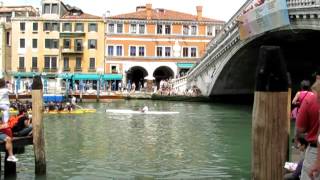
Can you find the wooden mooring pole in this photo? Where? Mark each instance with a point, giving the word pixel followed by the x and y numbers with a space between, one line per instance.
pixel 270 123
pixel 38 130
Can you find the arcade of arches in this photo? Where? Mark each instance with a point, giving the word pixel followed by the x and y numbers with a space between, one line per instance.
pixel 138 74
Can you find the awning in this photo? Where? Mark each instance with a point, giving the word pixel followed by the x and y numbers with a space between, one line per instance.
pixel 65 76
pixel 185 65
pixel 86 77
pixel 25 74
pixel 112 77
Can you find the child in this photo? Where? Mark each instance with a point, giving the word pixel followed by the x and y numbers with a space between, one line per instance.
pixel 4 101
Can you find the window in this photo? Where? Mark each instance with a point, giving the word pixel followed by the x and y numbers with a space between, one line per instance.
pixel 34 62
pixel 133 28
pixel 185 30
pixel 51 43
pixel 47 62
pixel 119 50
pixel 66 44
pixel 78 44
pixel 92 44
pixel 185 52
pixel 46 9
pixel 50 62
pixel 167 29
pixel 34 43
pixel 79 27
pixel 22 43
pixel 93 27
pixel 8 39
pixel 21 63
pixel 210 30
pixel 193 52
pixel 193 30
pixel 55 27
pixel 159 28
pixel 119 28
pixel 35 26
pixel 111 28
pixel 66 63
pixel 142 28
pixel 47 26
pixel 78 63
pixel 114 69
pixel 159 51
pixel 53 62
pixel 66 27
pixel 167 51
pixel 92 64
pixel 189 52
pixel 22 26
pixel 110 50
pixel 54 9
pixel 141 51
pixel 133 51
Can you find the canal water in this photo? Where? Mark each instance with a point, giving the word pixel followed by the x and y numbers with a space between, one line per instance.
pixel 203 141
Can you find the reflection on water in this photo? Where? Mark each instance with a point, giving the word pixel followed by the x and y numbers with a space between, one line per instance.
pixel 203 141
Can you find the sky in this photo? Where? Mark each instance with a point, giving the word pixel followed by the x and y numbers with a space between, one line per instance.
pixel 215 9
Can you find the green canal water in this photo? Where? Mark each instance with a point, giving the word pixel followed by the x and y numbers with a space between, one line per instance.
pixel 203 141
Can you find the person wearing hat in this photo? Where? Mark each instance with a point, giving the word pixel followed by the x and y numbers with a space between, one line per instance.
pixel 308 123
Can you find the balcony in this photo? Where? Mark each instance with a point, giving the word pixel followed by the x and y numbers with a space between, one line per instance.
pixel 21 69
pixel 92 70
pixel 50 70
pixel 34 69
pixel 66 69
pixel 78 69
pixel 72 34
pixel 76 50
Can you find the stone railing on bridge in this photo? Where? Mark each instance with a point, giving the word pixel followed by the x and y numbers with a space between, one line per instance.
pixel 179 84
pixel 229 37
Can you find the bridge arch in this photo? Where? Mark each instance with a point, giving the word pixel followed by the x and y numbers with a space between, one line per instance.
pixel 236 73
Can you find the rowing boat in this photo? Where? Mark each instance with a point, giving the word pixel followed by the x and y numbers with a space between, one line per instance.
pixel 128 111
pixel 77 111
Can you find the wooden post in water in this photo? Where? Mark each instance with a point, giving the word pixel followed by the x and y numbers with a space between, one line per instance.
pixel 38 130
pixel 270 124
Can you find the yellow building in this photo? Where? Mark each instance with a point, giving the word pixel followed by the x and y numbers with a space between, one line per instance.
pixel 6 13
pixel 156 44
pixel 63 39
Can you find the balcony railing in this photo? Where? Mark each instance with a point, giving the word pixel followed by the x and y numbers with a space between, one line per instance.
pixel 92 70
pixel 66 69
pixel 72 34
pixel 21 69
pixel 50 69
pixel 78 69
pixel 76 50
pixel 34 69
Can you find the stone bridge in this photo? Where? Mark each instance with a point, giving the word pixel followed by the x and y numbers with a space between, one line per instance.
pixel 229 64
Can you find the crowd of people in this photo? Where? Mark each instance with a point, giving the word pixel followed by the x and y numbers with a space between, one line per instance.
pixel 17 125
pixel 306 106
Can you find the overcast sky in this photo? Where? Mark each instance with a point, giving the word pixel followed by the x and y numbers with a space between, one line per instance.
pixel 216 9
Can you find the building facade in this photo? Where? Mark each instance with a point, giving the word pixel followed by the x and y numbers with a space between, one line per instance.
pixel 62 40
pixel 6 14
pixel 156 44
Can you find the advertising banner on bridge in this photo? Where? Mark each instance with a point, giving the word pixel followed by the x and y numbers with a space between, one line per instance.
pixel 262 16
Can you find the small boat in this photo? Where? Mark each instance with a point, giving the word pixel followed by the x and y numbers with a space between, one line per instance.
pixel 128 111
pixel 77 111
